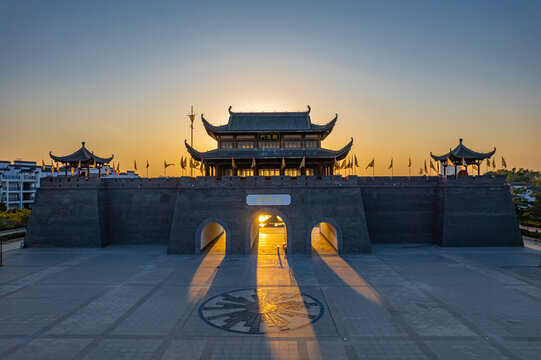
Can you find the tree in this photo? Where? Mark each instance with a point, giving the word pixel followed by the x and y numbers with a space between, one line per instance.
pixel 3 206
pixel 524 176
pixel 535 209
pixel 520 200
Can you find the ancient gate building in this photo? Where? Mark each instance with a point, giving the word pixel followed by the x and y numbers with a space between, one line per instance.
pixel 273 164
pixel 269 144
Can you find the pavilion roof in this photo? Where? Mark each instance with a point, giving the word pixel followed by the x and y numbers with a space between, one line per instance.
pixel 257 122
pixel 279 153
pixel 463 152
pixel 82 155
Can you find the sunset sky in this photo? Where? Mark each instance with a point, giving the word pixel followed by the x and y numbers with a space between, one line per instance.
pixel 405 77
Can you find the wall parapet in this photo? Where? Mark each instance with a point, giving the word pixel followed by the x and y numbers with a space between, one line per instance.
pixel 236 182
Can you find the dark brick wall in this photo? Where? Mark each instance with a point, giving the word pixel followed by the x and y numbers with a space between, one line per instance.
pixel 65 214
pixel 467 211
pixel 139 211
pixel 479 216
pixel 400 210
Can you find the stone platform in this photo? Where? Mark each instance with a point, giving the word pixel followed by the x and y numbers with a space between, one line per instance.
pixel 79 212
pixel 399 302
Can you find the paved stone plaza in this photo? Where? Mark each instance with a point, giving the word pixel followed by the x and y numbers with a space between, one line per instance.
pixel 399 302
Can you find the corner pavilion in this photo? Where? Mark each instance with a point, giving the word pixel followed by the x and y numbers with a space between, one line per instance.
pixel 462 154
pixel 81 159
pixel 269 144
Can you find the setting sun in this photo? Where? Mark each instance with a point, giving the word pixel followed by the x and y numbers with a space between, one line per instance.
pixel 263 218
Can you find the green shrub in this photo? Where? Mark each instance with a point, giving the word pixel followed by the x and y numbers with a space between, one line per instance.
pixel 531 223
pixel 13 219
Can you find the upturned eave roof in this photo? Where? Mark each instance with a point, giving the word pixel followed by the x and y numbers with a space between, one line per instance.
pixel 82 155
pixel 271 154
pixel 463 152
pixel 257 122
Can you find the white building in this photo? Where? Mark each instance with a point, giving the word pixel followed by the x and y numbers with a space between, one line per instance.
pixel 20 180
pixel 18 183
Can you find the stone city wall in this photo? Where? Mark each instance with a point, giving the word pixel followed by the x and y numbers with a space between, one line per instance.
pixel 74 212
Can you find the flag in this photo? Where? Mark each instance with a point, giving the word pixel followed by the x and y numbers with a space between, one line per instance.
pixel 42 165
pixel 182 166
pixel 493 163
pixel 283 164
pixel 79 165
pixel 118 168
pixel 391 164
pixel 52 167
pixel 57 168
pixel 253 163
pixel 107 171
pixel 449 163
pixel 134 165
pixel 370 164
pixel 475 167
pixel 336 164
pixel 432 166
pixel 409 163
pixel 464 162
pixel 303 163
pixel 186 162
pixel 233 165
pixel 504 164
pixel 426 169
pixel 356 163
pixel 148 164
pixel 166 165
pixel 72 171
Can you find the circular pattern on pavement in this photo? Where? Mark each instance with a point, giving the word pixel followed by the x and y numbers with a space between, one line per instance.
pixel 261 311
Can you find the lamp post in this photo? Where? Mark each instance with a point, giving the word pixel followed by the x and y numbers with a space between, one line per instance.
pixel 191 115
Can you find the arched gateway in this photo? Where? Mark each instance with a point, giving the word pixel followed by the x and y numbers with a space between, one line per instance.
pixel 238 203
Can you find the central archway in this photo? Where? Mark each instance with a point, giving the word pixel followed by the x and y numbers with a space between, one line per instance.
pixel 274 225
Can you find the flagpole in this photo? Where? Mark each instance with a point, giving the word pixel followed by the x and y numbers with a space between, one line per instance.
pixel 191 115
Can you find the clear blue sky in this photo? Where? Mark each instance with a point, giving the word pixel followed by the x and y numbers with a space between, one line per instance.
pixel 405 77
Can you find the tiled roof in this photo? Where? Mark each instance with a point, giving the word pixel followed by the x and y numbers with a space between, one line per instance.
pixel 258 153
pixel 462 152
pixel 82 155
pixel 257 122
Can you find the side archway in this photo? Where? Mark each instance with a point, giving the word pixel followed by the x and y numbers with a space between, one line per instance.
pixel 208 230
pixel 252 231
pixel 330 232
